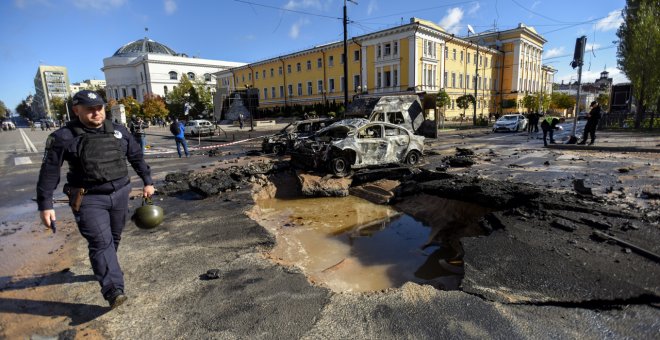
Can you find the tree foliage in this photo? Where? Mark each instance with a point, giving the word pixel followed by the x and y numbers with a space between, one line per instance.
pixel 530 102
pixel 604 101
pixel 23 109
pixel 638 51
pixel 442 100
pixel 561 101
pixel 463 102
pixel 131 107
pixel 58 106
pixel 154 107
pixel 198 97
pixel 4 112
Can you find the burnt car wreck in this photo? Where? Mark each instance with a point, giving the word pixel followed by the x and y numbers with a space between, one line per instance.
pixel 357 143
pixel 284 140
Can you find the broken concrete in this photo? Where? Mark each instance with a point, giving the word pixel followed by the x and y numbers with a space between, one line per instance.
pixel 325 186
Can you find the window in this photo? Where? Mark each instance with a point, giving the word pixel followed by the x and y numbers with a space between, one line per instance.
pixel 388 49
pixel 356 81
pixel 468 57
pixel 453 52
pixel 356 55
pixel 141 77
pixel 191 76
pixel 481 60
pixel 331 61
pixel 281 91
pixel 378 79
pixel 250 76
pixel 486 62
pixel 461 56
pixel 272 91
pixel 395 77
pixel 378 51
pixel 290 90
pixel 319 63
pixel 309 88
pixel 265 93
pixel 388 78
pixel 279 70
pixel 309 64
pixel 341 84
pixel 453 79
pixel 288 68
pixel 446 52
pixel 474 81
pixel 331 85
pixel 460 80
pixel 298 68
pixel 475 58
pixel 467 80
pixel 445 79
pixel 272 74
pixel 173 75
pixel 256 75
pixel 300 89
pixel 117 94
pixel 479 83
pixel 263 73
pixel 319 86
pixel 342 58
pixel 164 90
pixel 134 92
pixel 396 48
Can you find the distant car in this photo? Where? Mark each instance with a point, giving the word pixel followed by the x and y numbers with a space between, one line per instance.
pixel 582 116
pixel 8 125
pixel 199 127
pixel 513 122
pixel 37 124
pixel 358 143
pixel 284 140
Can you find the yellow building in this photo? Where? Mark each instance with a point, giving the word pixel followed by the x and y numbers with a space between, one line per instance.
pixel 419 56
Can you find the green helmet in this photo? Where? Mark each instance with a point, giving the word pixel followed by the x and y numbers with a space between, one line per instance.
pixel 148 215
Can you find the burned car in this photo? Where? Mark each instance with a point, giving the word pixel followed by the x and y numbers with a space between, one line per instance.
pixel 284 140
pixel 358 143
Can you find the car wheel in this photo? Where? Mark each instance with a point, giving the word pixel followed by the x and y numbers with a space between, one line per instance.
pixel 517 127
pixel 278 149
pixel 339 166
pixel 413 157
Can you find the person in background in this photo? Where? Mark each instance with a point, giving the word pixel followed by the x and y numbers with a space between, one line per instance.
pixel 549 125
pixel 177 129
pixel 97 183
pixel 137 129
pixel 592 123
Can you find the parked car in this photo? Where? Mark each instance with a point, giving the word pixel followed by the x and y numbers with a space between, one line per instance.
pixel 8 125
pixel 358 143
pixel 199 127
pixel 37 124
pixel 513 122
pixel 284 140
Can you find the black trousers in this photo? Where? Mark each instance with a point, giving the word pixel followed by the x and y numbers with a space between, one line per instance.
pixel 590 129
pixel 101 220
pixel 547 130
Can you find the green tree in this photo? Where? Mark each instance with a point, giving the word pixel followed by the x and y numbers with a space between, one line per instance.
pixel 638 52
pixel 561 101
pixel 23 109
pixel 604 101
pixel 154 107
pixel 131 106
pixel 58 106
pixel 463 102
pixel 4 112
pixel 442 100
pixel 195 94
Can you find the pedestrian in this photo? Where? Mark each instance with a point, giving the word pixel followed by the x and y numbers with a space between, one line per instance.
pixel 548 125
pixel 137 127
pixel 97 183
pixel 535 121
pixel 240 120
pixel 530 119
pixel 592 123
pixel 47 125
pixel 177 129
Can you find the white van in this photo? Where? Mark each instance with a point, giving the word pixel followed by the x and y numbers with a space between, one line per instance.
pixel 198 127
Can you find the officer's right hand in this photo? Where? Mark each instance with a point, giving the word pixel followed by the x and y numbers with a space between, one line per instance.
pixel 46 217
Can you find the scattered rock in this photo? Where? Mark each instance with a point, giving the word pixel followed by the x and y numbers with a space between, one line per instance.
pixel 563 224
pixel 210 274
pixel 327 186
pixel 578 185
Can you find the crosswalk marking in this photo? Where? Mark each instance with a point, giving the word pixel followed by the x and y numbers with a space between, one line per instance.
pixel 22 160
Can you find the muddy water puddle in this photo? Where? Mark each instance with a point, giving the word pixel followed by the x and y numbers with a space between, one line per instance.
pixel 350 244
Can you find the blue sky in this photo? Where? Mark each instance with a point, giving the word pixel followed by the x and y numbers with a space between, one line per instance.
pixel 78 34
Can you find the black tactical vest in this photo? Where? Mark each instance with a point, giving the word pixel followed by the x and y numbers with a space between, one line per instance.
pixel 100 155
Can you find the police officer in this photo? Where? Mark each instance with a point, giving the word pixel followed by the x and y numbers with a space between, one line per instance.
pixel 98 184
pixel 549 125
pixel 592 123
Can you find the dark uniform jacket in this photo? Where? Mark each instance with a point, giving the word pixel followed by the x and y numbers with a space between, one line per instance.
pixel 62 145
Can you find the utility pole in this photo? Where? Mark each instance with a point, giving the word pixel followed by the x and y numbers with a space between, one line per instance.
pixel 476 77
pixel 345 82
pixel 578 61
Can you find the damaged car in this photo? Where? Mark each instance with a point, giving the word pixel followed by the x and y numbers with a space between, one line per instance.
pixel 358 143
pixel 284 140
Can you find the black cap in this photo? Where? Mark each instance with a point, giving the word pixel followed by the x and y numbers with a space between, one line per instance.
pixel 593 103
pixel 87 98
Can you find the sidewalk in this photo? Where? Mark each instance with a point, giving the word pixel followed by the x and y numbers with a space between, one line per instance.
pixel 618 141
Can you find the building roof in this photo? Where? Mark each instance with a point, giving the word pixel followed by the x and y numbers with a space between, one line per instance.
pixel 143 46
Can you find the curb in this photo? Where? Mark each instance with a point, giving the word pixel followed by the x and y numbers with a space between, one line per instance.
pixel 603 148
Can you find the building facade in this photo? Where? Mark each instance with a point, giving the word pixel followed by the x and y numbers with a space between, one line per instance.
pixel 146 67
pixel 419 56
pixel 89 84
pixel 49 82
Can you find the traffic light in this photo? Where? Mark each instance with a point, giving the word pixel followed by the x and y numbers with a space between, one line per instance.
pixel 578 55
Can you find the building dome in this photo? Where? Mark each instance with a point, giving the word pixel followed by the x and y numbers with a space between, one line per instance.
pixel 143 46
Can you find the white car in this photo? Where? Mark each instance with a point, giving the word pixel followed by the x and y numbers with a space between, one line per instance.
pixel 199 127
pixel 513 122
pixel 8 125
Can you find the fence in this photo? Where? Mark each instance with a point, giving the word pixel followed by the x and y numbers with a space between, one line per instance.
pixel 626 120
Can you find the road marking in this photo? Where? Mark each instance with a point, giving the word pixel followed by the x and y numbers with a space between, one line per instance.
pixel 28 143
pixel 22 160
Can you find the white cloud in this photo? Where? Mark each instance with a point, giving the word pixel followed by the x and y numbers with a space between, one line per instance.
pixel 536 3
pixel 591 76
pixel 98 4
pixel 373 6
pixel 611 22
pixel 450 21
pixel 297 4
pixel 170 6
pixel 294 32
pixel 588 47
pixel 553 52
pixel 474 8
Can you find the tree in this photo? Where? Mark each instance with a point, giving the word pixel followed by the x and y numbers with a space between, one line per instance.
pixel 638 52
pixel 4 112
pixel 604 101
pixel 530 102
pixel 23 109
pixel 58 105
pixel 131 106
pixel 195 94
pixel 561 101
pixel 154 107
pixel 442 100
pixel 464 101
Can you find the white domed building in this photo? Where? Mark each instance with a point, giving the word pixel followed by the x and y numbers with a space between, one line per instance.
pixel 145 67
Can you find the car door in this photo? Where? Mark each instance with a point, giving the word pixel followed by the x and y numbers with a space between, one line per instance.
pixel 397 141
pixel 372 147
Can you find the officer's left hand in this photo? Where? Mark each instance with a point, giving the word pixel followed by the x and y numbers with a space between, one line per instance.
pixel 148 191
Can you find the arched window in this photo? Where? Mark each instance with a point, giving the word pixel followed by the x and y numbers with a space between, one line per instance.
pixel 165 89
pixel 173 75
pixel 207 77
pixel 191 76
